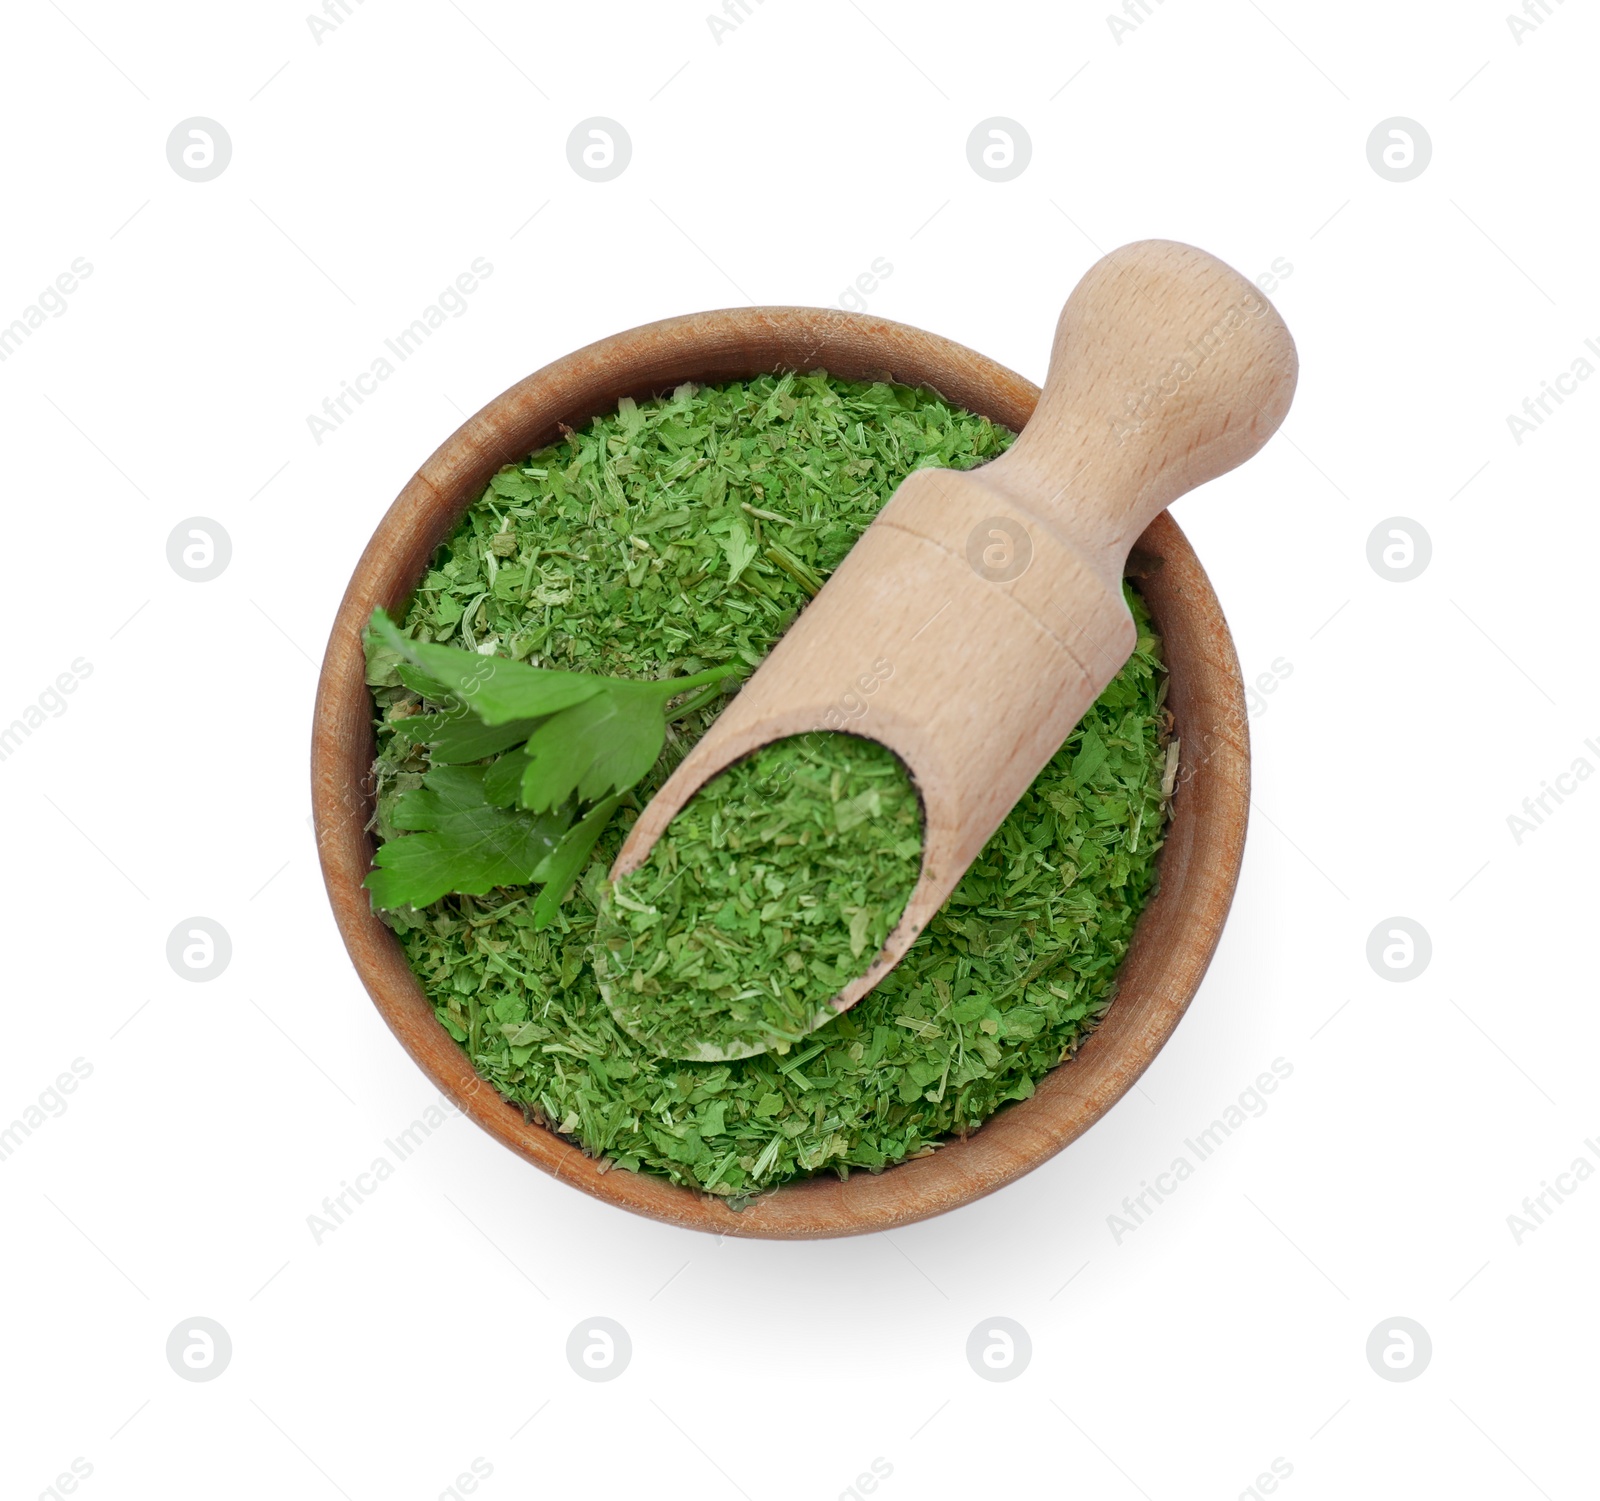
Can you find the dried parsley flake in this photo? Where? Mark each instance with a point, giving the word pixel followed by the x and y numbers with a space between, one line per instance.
pixel 774 886
pixel 679 534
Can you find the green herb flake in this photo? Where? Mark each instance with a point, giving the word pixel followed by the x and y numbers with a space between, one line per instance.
pixel 567 738
pixel 775 885
pixel 1007 980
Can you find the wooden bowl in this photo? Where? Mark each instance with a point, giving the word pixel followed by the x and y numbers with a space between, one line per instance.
pixel 1175 936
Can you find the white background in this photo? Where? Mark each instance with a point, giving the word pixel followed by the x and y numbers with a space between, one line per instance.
pixel 369 170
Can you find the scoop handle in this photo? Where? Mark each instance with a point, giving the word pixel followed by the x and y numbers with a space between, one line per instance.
pixel 982 610
pixel 1168 369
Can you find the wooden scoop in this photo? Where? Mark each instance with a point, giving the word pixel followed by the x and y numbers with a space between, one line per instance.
pixel 981 613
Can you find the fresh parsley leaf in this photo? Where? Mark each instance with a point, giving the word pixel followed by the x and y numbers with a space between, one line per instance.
pixel 461 843
pixel 459 736
pixel 418 682
pixel 496 689
pixel 560 740
pixel 502 778
pixel 568 858
pixel 602 745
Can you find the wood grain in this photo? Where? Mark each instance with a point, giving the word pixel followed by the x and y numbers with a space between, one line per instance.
pixel 1168 369
pixel 1176 935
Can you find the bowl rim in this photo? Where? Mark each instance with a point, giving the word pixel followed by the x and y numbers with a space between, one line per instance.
pixel 1175 936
